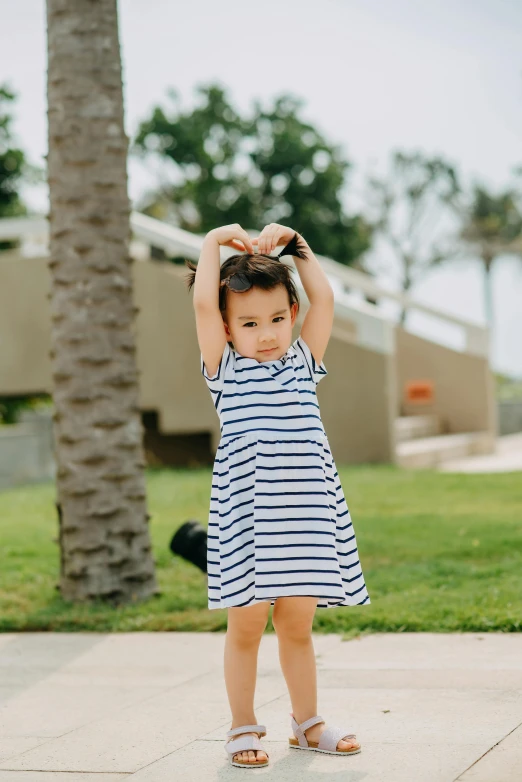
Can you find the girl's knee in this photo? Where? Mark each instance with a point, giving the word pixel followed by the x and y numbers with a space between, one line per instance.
pixel 246 625
pixel 293 625
pixel 293 630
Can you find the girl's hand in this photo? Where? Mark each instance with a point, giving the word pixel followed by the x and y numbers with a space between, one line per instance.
pixel 233 236
pixel 271 236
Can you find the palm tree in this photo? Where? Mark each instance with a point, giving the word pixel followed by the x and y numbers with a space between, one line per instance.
pixel 492 227
pixel 101 497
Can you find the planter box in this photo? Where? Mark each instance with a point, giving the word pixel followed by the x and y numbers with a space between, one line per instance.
pixel 510 416
pixel 26 449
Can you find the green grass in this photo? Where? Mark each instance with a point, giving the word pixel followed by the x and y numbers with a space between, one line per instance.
pixel 440 552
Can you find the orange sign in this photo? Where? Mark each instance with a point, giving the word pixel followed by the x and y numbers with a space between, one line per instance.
pixel 419 392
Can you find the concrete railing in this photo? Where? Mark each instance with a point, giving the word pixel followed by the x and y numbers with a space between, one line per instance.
pixel 371 360
pixel 476 337
pixel 373 328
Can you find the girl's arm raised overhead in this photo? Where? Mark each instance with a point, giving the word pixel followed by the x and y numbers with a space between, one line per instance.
pixel 318 321
pixel 209 321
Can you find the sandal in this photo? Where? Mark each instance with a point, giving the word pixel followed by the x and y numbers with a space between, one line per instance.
pixel 244 743
pixel 328 740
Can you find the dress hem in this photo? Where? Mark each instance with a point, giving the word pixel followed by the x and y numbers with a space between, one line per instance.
pixel 272 600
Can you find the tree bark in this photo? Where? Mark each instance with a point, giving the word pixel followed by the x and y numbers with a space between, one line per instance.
pixel 101 494
pixel 488 291
pixel 406 287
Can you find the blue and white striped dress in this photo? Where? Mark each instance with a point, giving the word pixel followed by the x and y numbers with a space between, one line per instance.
pixel 278 524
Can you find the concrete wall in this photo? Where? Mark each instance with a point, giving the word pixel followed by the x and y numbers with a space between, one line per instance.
pixel 25 326
pixel 358 402
pixel 464 395
pixel 357 398
pixel 360 398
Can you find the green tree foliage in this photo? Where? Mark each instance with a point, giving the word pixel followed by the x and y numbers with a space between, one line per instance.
pixel 407 208
pixel 269 167
pixel 12 160
pixel 13 169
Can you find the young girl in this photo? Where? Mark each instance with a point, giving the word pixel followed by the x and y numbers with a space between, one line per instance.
pixel 279 530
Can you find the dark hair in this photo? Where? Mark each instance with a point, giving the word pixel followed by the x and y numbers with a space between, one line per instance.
pixel 264 271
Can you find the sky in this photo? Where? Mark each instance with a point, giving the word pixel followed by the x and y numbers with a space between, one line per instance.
pixel 440 77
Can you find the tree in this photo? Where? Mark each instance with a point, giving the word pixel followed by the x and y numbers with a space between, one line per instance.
pixel 492 227
pixel 409 205
pixel 12 160
pixel 103 530
pixel 269 167
pixel 12 164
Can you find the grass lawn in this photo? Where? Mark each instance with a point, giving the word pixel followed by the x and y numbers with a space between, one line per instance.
pixel 440 552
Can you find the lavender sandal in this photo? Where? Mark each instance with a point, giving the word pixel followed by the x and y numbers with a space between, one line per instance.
pixel 328 740
pixel 244 743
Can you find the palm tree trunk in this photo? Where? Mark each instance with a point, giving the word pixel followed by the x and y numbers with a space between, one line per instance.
pixel 103 520
pixel 406 286
pixel 488 291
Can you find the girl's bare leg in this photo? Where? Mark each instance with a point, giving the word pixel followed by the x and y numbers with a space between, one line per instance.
pixel 244 631
pixel 292 619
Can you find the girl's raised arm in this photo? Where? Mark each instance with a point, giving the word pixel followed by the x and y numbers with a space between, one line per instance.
pixel 209 322
pixel 318 321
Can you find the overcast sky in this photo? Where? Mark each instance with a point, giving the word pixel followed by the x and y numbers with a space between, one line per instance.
pixel 375 75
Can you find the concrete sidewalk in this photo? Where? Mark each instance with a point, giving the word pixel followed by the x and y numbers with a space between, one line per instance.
pixel 507 458
pixel 152 707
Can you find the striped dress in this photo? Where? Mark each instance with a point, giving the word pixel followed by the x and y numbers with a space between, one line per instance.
pixel 278 523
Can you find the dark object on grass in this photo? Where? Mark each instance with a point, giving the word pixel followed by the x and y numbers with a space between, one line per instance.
pixel 190 542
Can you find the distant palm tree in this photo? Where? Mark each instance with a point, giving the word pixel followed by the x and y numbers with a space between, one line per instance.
pixel 103 520
pixel 492 227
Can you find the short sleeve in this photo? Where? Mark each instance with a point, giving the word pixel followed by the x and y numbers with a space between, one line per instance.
pixel 316 371
pixel 216 382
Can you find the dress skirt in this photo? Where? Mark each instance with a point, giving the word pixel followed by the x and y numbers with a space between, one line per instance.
pixel 279 524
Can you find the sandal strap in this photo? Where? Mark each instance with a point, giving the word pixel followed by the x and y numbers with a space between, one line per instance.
pixel 261 729
pixel 244 743
pixel 331 736
pixel 299 730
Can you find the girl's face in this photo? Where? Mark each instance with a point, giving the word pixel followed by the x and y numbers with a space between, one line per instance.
pixel 259 322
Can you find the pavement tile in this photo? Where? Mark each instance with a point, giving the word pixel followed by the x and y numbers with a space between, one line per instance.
pixel 137 734
pixel 401 762
pixel 47 710
pixel 502 764
pixel 417 651
pixel 474 679
pixel 12 746
pixel 427 707
pixel 398 715
pixel 58 776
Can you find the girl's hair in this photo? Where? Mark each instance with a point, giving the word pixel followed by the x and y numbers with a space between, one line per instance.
pixel 264 271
